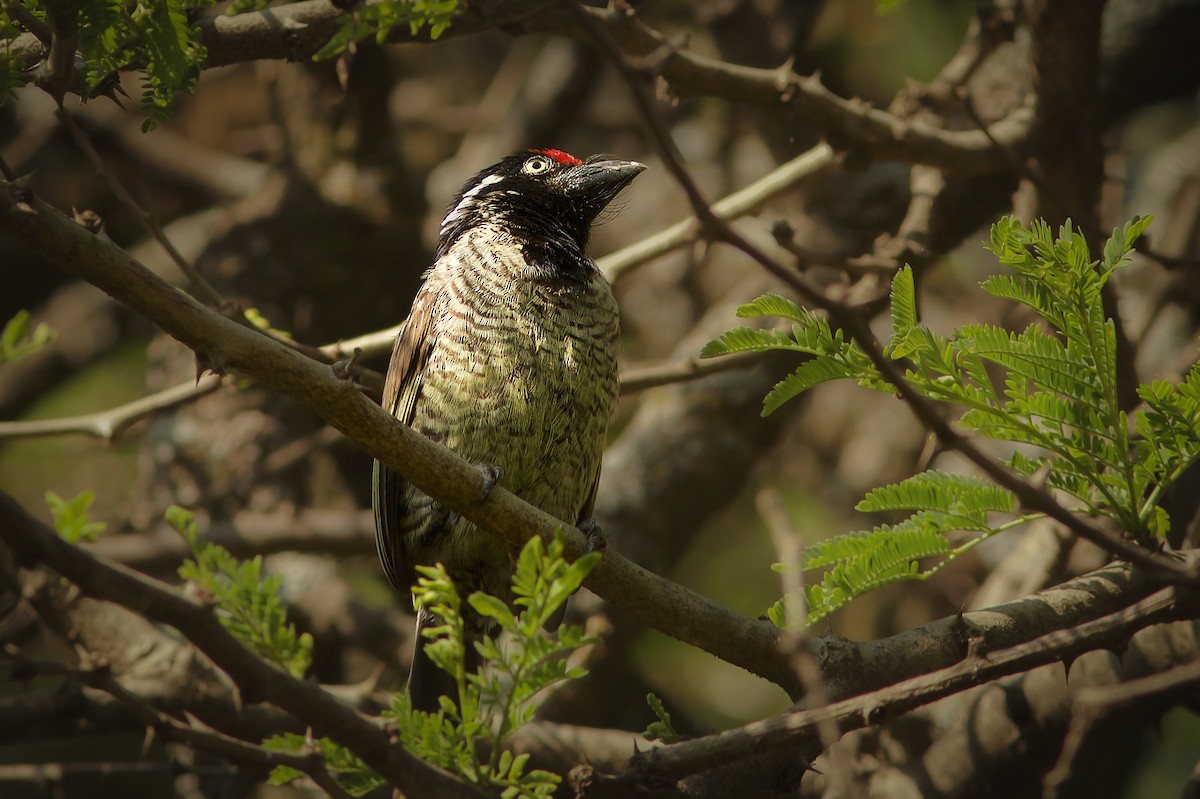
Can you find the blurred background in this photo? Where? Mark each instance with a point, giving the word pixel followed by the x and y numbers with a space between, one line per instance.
pixel 312 193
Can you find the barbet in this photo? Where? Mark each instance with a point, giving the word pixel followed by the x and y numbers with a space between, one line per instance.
pixel 508 357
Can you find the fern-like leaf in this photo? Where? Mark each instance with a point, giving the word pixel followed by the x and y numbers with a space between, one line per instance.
pixel 807 375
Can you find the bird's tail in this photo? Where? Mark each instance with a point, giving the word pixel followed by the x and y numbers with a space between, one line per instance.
pixel 426 682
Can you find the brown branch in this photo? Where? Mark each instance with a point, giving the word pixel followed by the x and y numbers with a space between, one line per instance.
pixel 109 425
pixel 190 732
pixel 248 533
pixel 1031 497
pixel 748 200
pixel 847 123
pixel 796 729
pixel 295 31
pixel 34 542
pixel 144 217
pixel 639 378
pixel 1093 703
pixel 58 72
pixel 430 466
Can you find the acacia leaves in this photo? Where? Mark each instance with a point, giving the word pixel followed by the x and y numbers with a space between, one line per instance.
pixel 1050 389
pixel 161 40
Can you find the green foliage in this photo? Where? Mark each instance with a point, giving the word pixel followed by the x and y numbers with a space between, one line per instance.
pixel 160 39
pixel 20 338
pixel 377 21
pixel 811 334
pixel 352 774
pixel 71 518
pixel 11 75
pixel 661 730
pixel 496 702
pixel 1050 388
pixel 468 737
pixel 247 603
pixel 260 322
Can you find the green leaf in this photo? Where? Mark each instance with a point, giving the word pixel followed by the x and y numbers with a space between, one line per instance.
pixel 19 338
pixel 662 729
pixel 248 605
pixel 492 608
pixel 808 374
pixel 947 492
pixel 378 21
pixel 748 339
pixel 71 520
pixel 904 305
pixel 498 700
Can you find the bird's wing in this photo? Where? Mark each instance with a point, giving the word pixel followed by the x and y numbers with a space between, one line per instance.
pixel 401 390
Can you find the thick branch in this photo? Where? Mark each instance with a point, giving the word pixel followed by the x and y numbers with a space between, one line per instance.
pixel 799 728
pixel 848 123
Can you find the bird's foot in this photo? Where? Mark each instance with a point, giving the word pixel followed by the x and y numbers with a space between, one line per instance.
pixel 596 542
pixel 347 368
pixel 491 476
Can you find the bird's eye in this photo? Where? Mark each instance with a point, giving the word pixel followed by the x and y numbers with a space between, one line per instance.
pixel 536 165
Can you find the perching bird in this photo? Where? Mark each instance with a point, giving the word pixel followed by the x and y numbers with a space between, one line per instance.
pixel 509 357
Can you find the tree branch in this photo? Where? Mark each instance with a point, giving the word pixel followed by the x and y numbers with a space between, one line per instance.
pixel 109 425
pixel 620 264
pixel 798 728
pixel 34 542
pixel 849 124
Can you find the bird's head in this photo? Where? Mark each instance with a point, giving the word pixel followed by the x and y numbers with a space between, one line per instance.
pixel 540 197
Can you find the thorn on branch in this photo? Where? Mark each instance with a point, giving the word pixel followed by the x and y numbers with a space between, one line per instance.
pixel 23 198
pixel 209 363
pixel 345 368
pixel 89 220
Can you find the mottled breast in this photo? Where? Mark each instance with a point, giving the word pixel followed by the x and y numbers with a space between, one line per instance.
pixel 523 376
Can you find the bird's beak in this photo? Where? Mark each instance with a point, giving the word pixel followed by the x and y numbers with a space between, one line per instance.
pixel 594 185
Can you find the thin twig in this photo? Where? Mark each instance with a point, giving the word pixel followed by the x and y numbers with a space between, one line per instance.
pixel 109 425
pixel 144 217
pixel 855 124
pixel 644 376
pixel 1092 703
pixel 620 264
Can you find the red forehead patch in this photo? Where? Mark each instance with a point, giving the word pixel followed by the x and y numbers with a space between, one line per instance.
pixel 566 159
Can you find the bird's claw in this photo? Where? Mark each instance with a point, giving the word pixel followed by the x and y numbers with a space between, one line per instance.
pixel 491 476
pixel 596 542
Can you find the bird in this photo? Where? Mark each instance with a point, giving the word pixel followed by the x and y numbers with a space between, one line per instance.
pixel 509 358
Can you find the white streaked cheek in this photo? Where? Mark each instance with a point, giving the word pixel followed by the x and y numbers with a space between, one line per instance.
pixel 468 200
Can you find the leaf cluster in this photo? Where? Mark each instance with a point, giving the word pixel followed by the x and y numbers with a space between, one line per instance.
pixel 499 700
pixel 469 737
pixel 246 602
pixel 378 20
pixel 161 40
pixel 662 729
pixel 354 776
pixel 71 517
pixel 1049 390
pixel 20 338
